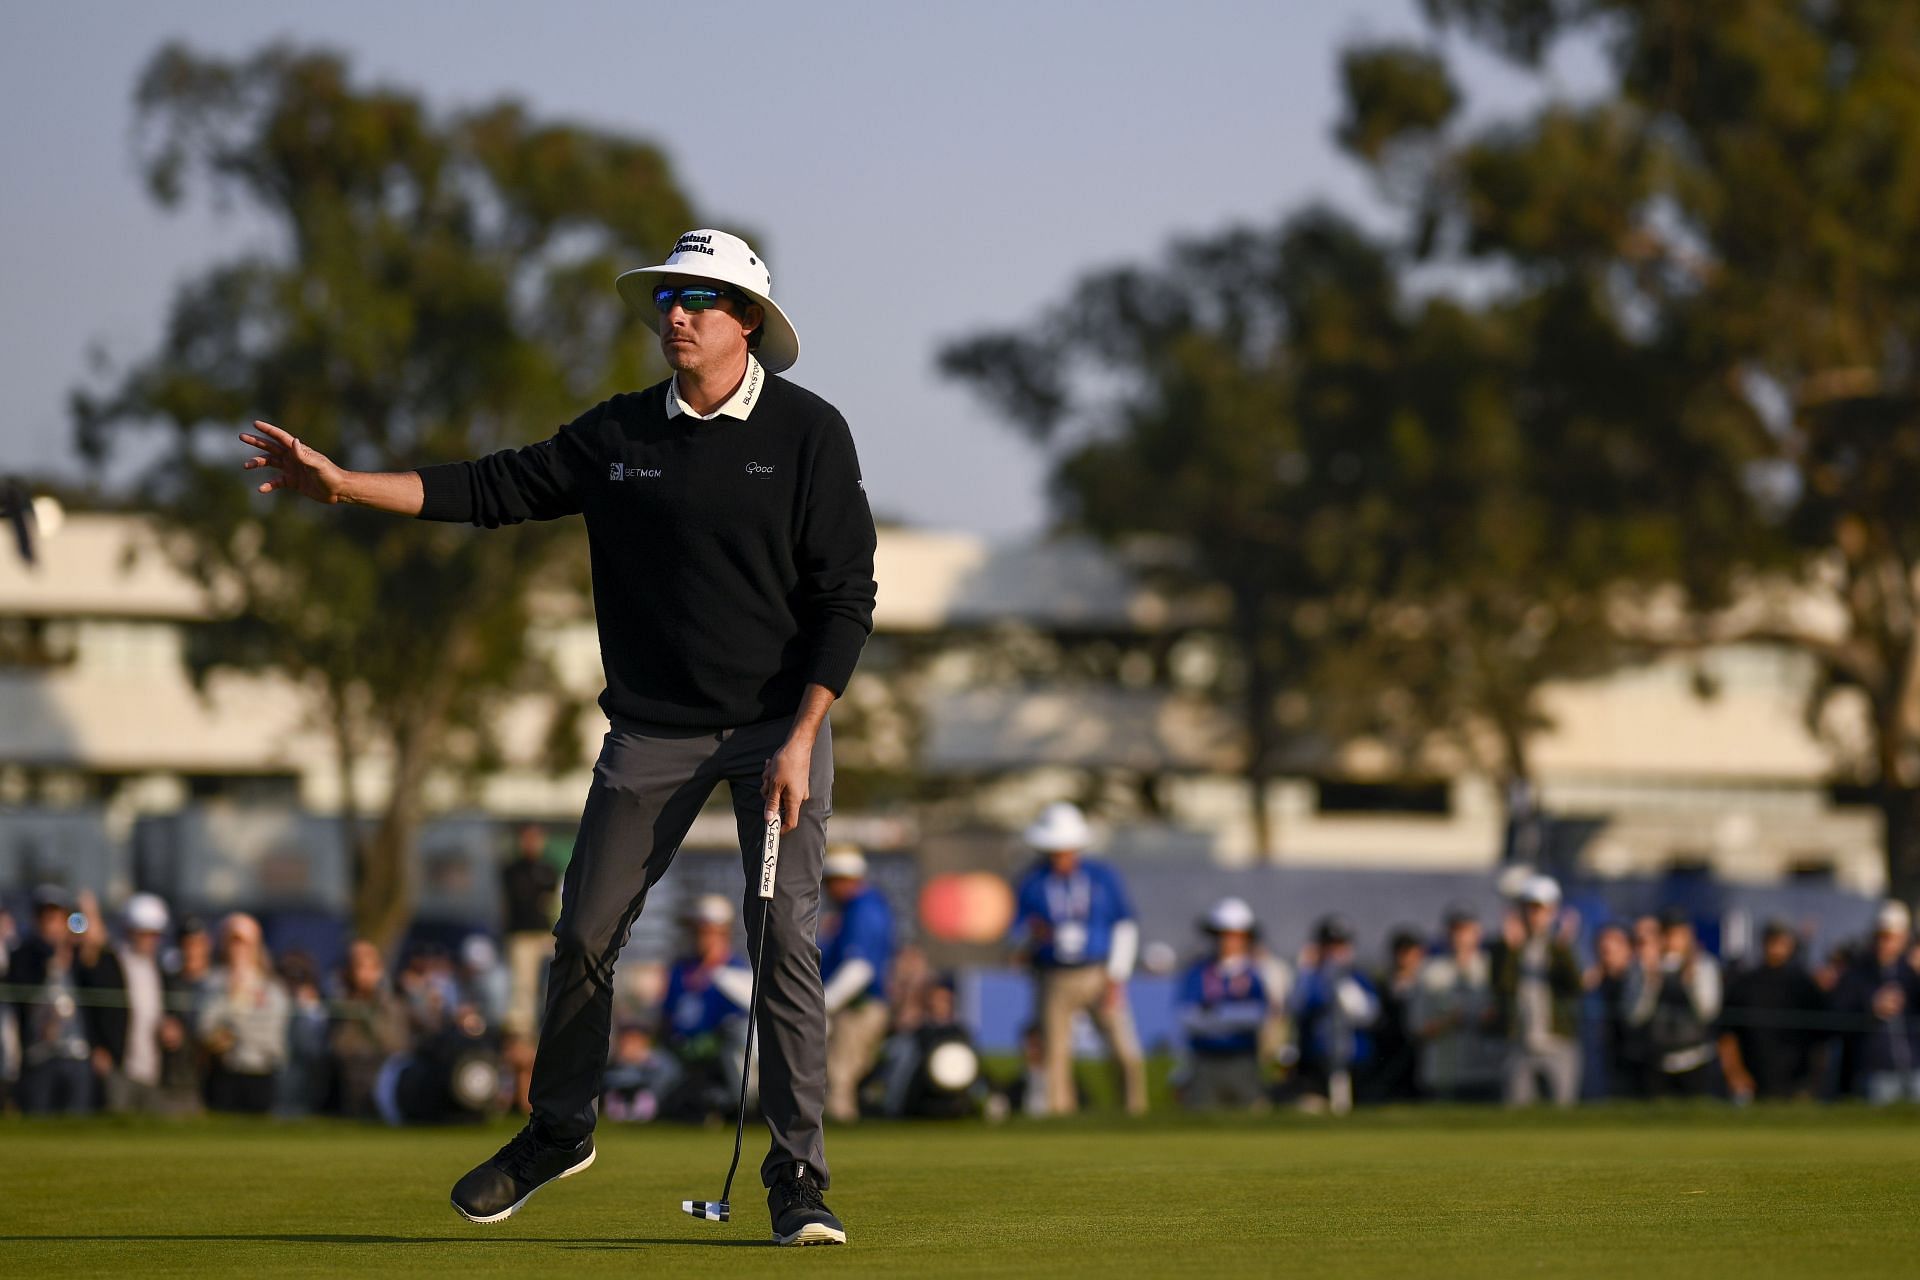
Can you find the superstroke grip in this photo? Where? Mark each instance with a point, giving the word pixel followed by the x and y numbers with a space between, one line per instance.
pixel 769 857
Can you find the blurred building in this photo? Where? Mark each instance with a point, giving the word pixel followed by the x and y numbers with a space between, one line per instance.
pixel 998 677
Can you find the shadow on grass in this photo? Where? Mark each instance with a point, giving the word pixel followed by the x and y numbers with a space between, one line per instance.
pixel 277 1237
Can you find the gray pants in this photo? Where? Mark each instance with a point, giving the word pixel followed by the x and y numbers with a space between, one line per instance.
pixel 1227 1082
pixel 648 786
pixel 1557 1059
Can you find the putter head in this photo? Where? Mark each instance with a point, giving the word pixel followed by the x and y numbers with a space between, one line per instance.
pixel 710 1210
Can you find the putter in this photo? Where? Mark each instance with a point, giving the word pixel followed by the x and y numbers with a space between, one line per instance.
pixel 721 1210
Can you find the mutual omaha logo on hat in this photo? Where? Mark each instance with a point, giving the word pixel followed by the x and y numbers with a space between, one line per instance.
pixel 714 255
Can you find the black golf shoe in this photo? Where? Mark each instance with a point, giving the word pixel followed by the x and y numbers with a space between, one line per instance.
pixel 494 1191
pixel 800 1216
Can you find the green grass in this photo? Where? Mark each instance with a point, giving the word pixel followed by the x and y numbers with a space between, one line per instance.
pixel 1639 1192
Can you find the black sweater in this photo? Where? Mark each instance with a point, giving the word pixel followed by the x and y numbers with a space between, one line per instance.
pixel 732 561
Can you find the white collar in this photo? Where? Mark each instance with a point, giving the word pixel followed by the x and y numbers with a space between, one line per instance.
pixel 738 405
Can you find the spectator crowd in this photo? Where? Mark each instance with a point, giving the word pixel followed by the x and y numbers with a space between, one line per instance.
pixel 1453 1017
pixel 149 1013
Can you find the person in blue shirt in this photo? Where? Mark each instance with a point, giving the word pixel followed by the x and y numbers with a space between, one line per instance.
pixel 1081 938
pixel 856 950
pixel 1333 1006
pixel 1223 1003
pixel 704 1012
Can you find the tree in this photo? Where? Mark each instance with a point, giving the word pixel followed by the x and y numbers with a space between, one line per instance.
pixel 1745 196
pixel 1236 401
pixel 439 287
pixel 1418 511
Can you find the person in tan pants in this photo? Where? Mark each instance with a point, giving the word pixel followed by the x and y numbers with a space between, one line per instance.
pixel 856 947
pixel 1081 939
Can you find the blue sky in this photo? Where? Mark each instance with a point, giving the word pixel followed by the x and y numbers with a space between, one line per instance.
pixel 920 171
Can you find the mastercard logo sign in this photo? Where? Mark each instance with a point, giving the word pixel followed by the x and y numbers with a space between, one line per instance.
pixel 970 906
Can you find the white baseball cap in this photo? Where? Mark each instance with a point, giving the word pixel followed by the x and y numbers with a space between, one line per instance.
pixel 1060 826
pixel 1230 915
pixel 710 908
pixel 1544 890
pixel 715 255
pixel 1893 917
pixel 844 861
pixel 146 913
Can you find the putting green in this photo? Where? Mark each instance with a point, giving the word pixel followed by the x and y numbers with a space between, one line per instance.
pixel 1640 1192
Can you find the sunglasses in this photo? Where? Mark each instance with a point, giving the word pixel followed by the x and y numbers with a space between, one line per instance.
pixel 691 297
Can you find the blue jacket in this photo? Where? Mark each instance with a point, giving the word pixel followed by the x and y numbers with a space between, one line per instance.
pixel 860 930
pixel 1221 1009
pixel 694 1005
pixel 1078 911
pixel 1330 1036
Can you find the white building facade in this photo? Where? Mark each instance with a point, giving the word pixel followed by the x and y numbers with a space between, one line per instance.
pixel 999 677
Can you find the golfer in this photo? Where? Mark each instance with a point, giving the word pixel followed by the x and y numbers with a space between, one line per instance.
pixel 732 555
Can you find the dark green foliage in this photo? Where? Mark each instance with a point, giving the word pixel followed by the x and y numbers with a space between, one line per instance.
pixel 1743 210
pixel 1415 509
pixel 1407 91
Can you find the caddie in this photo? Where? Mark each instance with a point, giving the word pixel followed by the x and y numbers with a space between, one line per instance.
pixel 1082 940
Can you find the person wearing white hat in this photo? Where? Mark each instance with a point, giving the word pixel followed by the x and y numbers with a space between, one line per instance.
pixel 1082 939
pixel 1222 1005
pixel 134 1032
pixel 856 950
pixel 732 554
pixel 1881 992
pixel 1537 986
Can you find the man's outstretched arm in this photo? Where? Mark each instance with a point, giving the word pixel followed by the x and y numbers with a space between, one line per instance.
pixel 309 472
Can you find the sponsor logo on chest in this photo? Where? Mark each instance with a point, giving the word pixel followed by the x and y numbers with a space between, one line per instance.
pixel 624 471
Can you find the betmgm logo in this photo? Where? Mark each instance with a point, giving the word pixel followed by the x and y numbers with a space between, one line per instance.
pixel 621 471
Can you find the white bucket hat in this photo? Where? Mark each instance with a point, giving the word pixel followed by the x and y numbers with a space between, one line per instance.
pixel 1230 915
pixel 715 255
pixel 844 861
pixel 1059 826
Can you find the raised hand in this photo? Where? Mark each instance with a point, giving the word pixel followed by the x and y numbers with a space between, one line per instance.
pixel 303 468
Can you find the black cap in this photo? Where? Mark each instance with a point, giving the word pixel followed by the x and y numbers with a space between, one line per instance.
pixel 1458 915
pixel 52 897
pixel 1777 928
pixel 1674 917
pixel 1404 937
pixel 1332 929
